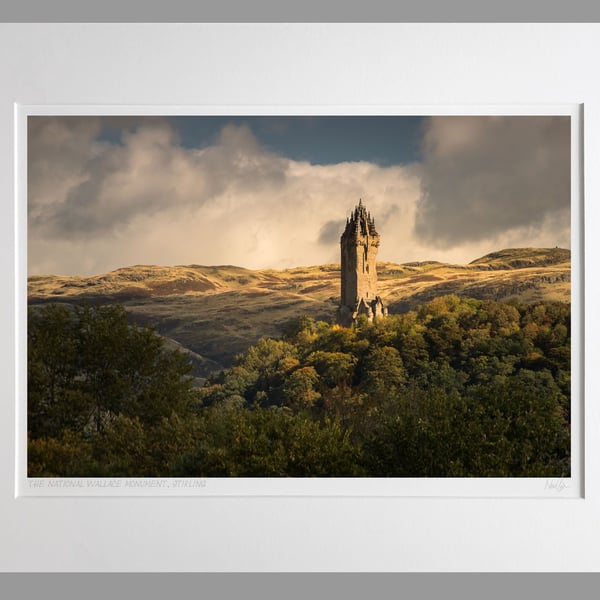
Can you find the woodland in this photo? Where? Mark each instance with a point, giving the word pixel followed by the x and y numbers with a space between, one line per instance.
pixel 458 387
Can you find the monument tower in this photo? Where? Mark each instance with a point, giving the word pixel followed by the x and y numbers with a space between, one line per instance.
pixel 359 245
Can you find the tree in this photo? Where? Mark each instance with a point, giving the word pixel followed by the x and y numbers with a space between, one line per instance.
pixel 268 442
pixel 383 373
pixel 334 368
pixel 265 364
pixel 88 365
pixel 55 400
pixel 299 388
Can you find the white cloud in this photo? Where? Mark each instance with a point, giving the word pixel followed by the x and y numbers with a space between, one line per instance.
pixel 96 206
pixel 149 200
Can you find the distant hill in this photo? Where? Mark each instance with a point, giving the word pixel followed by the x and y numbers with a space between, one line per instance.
pixel 214 313
pixel 524 274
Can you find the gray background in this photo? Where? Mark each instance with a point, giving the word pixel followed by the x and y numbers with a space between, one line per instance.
pixel 311 11
pixel 299 586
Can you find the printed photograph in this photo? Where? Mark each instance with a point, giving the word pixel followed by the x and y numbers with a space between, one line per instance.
pixel 299 296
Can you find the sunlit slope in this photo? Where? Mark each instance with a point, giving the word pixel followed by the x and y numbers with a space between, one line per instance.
pixel 217 312
pixel 524 274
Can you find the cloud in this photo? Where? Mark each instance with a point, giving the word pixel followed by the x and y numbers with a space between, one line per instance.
pixel 331 231
pixel 58 152
pixel 483 177
pixel 147 199
pixel 98 202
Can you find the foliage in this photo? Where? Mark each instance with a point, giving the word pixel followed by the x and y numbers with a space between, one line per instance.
pixel 459 387
pixel 268 443
pixel 87 366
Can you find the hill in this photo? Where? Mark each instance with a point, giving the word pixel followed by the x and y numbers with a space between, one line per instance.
pixel 216 312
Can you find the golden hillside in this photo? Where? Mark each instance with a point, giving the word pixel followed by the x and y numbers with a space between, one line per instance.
pixel 217 312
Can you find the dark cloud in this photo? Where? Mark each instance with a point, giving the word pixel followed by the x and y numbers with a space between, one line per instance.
pixel 331 231
pixel 58 150
pixel 484 176
pixel 103 186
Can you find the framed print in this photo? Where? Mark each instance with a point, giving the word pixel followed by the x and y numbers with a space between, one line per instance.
pixel 302 356
pixel 246 293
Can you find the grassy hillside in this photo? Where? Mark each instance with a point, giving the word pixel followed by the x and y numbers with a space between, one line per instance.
pixel 217 312
pixel 525 274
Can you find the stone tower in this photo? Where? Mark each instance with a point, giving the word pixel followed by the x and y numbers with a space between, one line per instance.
pixel 359 245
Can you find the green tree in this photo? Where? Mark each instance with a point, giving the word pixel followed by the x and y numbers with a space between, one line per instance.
pixel 268 442
pixel 334 368
pixel 382 375
pixel 299 389
pixel 55 400
pixel 89 365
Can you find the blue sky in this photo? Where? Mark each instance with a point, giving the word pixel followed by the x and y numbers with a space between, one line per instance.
pixel 382 140
pixel 274 192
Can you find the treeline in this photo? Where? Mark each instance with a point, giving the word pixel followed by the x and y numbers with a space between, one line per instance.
pixel 460 387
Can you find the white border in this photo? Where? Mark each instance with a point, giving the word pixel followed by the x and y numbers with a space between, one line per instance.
pixel 570 487
pixel 326 65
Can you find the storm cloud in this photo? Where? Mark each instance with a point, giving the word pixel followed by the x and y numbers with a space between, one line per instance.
pixel 96 204
pixel 486 178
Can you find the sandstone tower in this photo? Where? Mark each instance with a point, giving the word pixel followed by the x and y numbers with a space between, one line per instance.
pixel 359 245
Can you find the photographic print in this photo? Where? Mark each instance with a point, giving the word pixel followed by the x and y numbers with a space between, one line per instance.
pixel 299 296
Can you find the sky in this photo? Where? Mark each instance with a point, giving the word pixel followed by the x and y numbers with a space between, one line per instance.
pixel 274 192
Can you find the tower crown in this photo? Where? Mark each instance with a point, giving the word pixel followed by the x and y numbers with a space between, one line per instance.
pixel 360 223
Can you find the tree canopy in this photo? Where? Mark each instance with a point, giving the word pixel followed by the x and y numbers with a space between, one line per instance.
pixel 459 387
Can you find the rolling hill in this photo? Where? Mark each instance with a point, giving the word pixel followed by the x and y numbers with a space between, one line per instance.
pixel 216 312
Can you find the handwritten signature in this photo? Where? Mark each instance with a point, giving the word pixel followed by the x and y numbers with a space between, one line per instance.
pixel 558 485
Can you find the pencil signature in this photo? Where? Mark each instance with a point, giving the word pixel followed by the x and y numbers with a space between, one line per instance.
pixel 558 485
